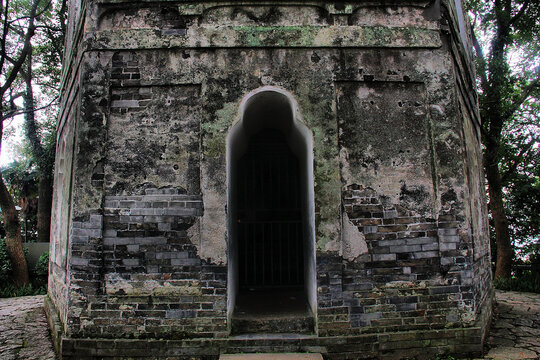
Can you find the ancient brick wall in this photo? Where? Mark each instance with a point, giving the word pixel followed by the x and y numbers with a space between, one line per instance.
pixel 142 240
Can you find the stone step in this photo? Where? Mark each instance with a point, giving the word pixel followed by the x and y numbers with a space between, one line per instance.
pixel 282 356
pixel 268 325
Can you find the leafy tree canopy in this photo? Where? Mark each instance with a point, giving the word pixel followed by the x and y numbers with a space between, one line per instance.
pixel 507 45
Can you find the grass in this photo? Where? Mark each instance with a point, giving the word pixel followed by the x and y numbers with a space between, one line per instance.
pixel 524 283
pixel 11 290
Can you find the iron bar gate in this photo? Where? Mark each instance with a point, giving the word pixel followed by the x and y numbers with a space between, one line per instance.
pixel 269 214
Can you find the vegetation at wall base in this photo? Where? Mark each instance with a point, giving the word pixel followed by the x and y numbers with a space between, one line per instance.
pixel 524 283
pixel 38 276
pixel 11 290
pixel 5 263
pixel 525 276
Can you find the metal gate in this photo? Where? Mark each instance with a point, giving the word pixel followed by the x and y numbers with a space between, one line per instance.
pixel 269 214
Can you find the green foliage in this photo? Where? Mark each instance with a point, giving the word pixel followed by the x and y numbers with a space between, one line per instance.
pixel 524 283
pixel 449 357
pixel 9 290
pixel 21 179
pixel 38 284
pixel 42 266
pixel 508 54
pixel 526 276
pixel 520 169
pixel 5 263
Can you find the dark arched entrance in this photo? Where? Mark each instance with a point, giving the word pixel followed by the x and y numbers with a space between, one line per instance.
pixel 269 215
pixel 271 279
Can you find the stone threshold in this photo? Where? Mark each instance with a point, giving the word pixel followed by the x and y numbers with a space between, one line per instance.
pixel 284 356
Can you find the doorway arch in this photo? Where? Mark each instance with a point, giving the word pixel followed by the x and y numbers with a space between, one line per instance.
pixel 269 127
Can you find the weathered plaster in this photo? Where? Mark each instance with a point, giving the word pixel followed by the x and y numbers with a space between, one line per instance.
pixel 353 240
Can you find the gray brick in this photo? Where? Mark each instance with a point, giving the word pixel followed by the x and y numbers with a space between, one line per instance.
pixel 96 220
pixel 447 261
pixel 78 239
pixel 425 254
pixel 109 233
pixel 78 261
pixel 131 262
pixel 447 246
pixel 154 219
pixel 118 241
pixel 123 197
pixel 146 211
pixel 150 240
pixel 430 247
pixel 89 225
pixel 391 242
pixel 129 219
pixel 450 238
pixel 165 255
pixel 446 232
pixel 124 103
pixel 444 290
pixel 405 248
pixel 421 240
pixel 133 248
pixel 164 226
pixel 177 204
pixel 181 262
pixel 180 212
pixel 86 232
pixel 370 229
pixel 110 203
pixel 384 257
pixel 194 204
pixel 406 307
pixel 180 314
pixel 370 316
pixel 160 204
pixel 127 204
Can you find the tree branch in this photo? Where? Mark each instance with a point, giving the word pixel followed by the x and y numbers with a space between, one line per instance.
pixel 47 27
pixel 4 35
pixel 31 128
pixel 520 12
pixel 525 94
pixel 24 52
pixel 482 59
pixel 518 159
pixel 23 111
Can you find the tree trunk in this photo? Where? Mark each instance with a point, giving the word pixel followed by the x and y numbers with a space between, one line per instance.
pixel 13 229
pixel 45 191
pixel 43 158
pixel 13 236
pixel 494 117
pixel 505 253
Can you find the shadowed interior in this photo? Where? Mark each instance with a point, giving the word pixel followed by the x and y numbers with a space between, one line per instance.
pixel 271 261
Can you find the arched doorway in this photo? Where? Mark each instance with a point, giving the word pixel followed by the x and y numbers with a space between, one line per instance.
pixel 269 215
pixel 271 249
